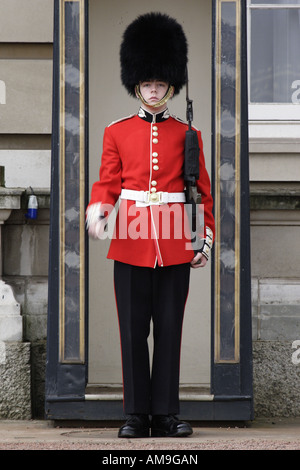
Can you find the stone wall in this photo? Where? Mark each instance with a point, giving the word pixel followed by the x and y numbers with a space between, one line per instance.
pixel 25 269
pixel 15 373
pixel 275 235
pixel 276 379
pixel 26 50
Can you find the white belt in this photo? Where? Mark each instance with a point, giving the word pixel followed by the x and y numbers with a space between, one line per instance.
pixel 146 198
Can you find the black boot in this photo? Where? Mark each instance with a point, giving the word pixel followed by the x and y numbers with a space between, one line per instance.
pixel 169 426
pixel 136 426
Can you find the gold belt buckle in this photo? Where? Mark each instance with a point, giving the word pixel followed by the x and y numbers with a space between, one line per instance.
pixel 156 197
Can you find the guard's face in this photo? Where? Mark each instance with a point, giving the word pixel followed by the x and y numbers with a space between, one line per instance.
pixel 153 91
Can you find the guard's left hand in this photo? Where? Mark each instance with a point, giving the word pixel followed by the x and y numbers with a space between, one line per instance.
pixel 199 261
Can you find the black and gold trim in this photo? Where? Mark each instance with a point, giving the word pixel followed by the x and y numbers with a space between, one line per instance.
pixel 67 287
pixel 72 182
pixel 227 181
pixel 231 295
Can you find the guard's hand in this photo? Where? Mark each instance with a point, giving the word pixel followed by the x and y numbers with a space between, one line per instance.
pixel 97 228
pixel 199 261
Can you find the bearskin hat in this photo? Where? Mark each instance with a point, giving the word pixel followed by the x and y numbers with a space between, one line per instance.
pixel 154 46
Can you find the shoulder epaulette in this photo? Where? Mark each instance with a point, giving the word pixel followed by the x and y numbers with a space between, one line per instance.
pixel 182 121
pixel 178 119
pixel 121 119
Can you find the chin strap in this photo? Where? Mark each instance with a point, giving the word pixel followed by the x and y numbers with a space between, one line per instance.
pixel 159 103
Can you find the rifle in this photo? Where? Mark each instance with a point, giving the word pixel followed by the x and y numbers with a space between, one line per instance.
pixel 191 162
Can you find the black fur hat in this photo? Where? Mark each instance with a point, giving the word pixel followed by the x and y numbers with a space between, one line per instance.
pixel 154 46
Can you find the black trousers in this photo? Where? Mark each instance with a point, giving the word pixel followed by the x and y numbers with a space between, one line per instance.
pixel 145 294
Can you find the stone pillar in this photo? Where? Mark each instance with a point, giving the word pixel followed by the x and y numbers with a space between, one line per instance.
pixel 15 376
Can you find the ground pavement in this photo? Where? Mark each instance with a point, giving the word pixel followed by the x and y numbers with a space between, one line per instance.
pixel 261 434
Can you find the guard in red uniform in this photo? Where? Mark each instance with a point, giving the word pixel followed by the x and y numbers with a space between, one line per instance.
pixel 142 164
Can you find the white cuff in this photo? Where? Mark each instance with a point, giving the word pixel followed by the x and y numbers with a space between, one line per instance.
pixel 93 214
pixel 208 242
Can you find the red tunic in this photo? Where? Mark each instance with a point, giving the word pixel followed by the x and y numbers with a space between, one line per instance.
pixel 140 155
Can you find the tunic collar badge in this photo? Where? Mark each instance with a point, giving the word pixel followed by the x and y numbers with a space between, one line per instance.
pixel 152 118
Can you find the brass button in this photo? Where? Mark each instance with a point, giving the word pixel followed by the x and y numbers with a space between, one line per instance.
pixel 154 183
pixel 155 160
pixel 155 134
pixel 156 167
pixel 155 128
pixel 154 154
pixel 153 190
pixel 155 140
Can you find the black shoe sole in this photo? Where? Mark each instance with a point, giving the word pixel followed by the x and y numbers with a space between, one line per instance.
pixel 133 434
pixel 179 433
